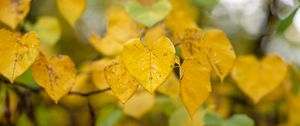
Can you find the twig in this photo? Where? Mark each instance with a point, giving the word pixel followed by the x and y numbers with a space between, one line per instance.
pixel 92 114
pixel 89 93
pixel 7 112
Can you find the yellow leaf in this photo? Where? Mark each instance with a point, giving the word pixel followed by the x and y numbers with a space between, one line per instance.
pixel 13 12
pixel 107 45
pixel 170 87
pixel 17 53
pixel 71 10
pixel 182 16
pixel 139 104
pixel 56 74
pixel 121 82
pixel 219 52
pixel 98 73
pixel 149 64
pixel 256 79
pixel 155 33
pixel 84 82
pixel 195 84
pixel 48 29
pixel 122 27
pixel 191 42
pixel 214 44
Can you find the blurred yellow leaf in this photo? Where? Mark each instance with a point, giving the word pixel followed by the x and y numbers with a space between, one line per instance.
pixel 256 79
pixel 71 10
pixel 47 28
pixel 139 104
pixel 170 87
pixel 12 12
pixel 154 33
pixel 84 82
pixel 107 45
pixel 191 42
pixel 98 73
pixel 182 16
pixel 120 26
pixel 56 74
pixel 195 84
pixel 151 63
pixel 219 52
pixel 121 82
pixel 17 53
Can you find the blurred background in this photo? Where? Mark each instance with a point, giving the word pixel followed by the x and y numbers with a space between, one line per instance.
pixel 255 27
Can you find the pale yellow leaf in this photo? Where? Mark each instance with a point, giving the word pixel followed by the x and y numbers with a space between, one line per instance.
pixel 71 10
pixel 13 12
pixel 107 45
pixel 219 52
pixel 122 27
pixel 170 87
pixel 56 74
pixel 121 82
pixel 150 64
pixel 195 84
pixel 98 76
pixel 191 42
pixel 139 104
pixel 256 79
pixel 154 33
pixel 17 53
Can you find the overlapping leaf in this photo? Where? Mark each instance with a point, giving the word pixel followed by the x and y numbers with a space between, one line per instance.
pixel 121 82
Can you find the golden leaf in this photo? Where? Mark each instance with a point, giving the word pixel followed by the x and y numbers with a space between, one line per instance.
pixel 256 79
pixel 121 82
pixel 98 73
pixel 139 104
pixel 195 84
pixel 219 52
pixel 71 10
pixel 12 12
pixel 17 53
pixel 149 64
pixel 56 74
pixel 214 44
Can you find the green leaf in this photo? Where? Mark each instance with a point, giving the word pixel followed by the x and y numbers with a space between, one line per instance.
pixel 148 15
pixel 206 4
pixel 295 79
pixel 213 119
pixel 239 120
pixel 283 25
pixel 109 116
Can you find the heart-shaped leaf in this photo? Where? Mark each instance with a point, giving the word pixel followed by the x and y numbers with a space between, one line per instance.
pixel 149 15
pixel 56 74
pixel 256 79
pixel 150 63
pixel 17 53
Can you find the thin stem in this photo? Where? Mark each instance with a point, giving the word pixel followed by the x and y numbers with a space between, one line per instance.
pixel 89 93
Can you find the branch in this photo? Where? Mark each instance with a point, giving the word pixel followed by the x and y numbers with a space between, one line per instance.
pixel 89 93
